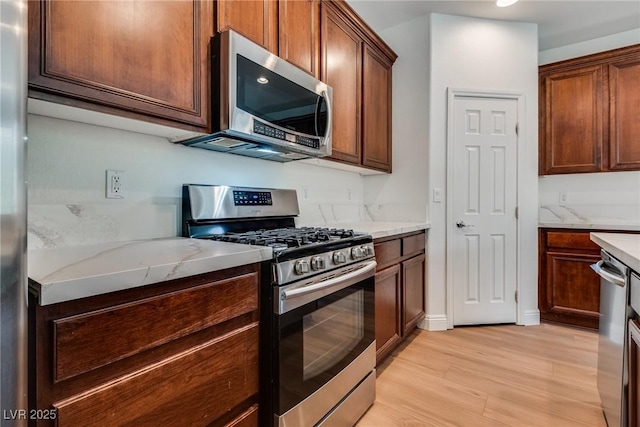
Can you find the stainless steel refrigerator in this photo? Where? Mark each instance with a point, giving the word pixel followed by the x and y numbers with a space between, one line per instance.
pixel 13 213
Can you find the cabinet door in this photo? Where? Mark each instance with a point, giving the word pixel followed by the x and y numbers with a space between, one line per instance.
pixel 634 373
pixel 572 289
pixel 571 121
pixel 413 283
pixel 140 59
pixel 341 69
pixel 299 34
pixel 254 19
pixel 387 296
pixel 376 101
pixel 624 112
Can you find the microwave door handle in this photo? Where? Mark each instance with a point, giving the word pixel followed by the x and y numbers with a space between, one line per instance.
pixel 325 95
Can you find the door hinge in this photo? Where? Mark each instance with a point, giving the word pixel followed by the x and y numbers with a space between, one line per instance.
pixel 517 213
pixel 517 128
pixel 516 297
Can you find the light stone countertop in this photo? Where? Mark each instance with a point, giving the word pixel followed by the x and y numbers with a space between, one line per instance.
pixel 379 229
pixel 590 217
pixel 69 273
pixel 625 247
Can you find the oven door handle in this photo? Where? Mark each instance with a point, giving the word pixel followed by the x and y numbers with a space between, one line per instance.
pixel 334 284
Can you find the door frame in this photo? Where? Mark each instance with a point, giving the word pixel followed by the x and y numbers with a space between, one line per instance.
pixel 452 94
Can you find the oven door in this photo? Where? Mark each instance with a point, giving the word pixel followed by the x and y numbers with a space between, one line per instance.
pixel 327 338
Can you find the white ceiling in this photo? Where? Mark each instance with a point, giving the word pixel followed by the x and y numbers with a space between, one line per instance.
pixel 559 22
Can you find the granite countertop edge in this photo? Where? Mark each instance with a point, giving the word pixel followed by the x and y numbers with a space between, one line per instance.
pixel 592 226
pixel 65 274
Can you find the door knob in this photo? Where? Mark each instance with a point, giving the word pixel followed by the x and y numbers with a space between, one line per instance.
pixel 461 224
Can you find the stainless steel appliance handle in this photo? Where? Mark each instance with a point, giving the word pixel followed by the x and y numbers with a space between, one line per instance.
pixel 338 283
pixel 618 280
pixel 325 95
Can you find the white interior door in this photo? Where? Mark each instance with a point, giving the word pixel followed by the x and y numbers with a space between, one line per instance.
pixel 483 242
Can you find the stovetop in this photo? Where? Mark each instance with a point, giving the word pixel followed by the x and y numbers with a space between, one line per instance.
pixel 281 239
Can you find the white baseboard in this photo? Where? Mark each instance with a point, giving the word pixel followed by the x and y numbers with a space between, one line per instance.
pixel 434 322
pixel 531 318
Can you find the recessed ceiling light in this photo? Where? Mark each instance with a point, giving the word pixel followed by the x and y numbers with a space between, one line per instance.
pixel 505 3
pixel 263 80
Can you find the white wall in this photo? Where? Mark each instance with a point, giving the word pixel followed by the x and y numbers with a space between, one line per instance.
pixel 588 47
pixel 486 55
pixel 437 52
pixel 66 174
pixel 410 128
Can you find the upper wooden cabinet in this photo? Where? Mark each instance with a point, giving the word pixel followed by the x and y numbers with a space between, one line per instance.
pixel 299 34
pixel 342 70
pixel 588 113
pixel 254 19
pixel 356 63
pixel 145 60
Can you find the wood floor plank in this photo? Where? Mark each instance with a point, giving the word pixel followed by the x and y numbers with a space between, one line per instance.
pixel 494 376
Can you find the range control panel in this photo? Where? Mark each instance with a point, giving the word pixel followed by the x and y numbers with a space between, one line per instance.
pixel 252 198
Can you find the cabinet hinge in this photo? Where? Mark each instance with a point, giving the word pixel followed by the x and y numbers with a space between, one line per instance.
pixel 517 128
pixel 517 213
pixel 516 297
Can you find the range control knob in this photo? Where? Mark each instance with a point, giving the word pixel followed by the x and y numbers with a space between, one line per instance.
pixel 339 258
pixel 301 266
pixel 317 263
pixel 357 253
pixel 367 250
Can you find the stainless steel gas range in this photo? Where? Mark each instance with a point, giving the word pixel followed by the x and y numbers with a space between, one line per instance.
pixel 317 303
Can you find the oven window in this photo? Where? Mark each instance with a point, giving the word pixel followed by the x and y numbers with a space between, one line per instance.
pixel 277 100
pixel 330 333
pixel 315 342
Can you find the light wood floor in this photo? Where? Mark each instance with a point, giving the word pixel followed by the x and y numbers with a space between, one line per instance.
pixel 533 376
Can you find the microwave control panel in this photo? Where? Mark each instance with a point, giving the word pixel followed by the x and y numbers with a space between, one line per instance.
pixel 264 129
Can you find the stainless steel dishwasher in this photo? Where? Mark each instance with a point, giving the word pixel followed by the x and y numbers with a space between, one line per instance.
pixel 612 348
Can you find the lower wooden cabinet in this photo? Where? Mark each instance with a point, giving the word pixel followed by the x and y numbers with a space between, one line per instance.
pixel 400 289
pixel 184 352
pixel 569 291
pixel 413 281
pixel 634 373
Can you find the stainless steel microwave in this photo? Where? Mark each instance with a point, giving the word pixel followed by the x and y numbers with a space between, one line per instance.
pixel 264 106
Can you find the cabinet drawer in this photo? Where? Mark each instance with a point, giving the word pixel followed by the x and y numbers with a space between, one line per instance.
pixel 88 341
pixel 387 252
pixel 192 388
pixel 562 239
pixel 248 418
pixel 413 244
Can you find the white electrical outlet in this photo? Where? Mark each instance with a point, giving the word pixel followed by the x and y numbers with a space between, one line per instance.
pixel 563 197
pixel 115 185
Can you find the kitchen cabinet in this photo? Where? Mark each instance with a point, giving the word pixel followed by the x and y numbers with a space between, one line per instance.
pixel 356 63
pixel 299 34
pixel 400 289
pixel 568 290
pixel 257 20
pixel 137 59
pixel 634 373
pixel 183 352
pixel 588 113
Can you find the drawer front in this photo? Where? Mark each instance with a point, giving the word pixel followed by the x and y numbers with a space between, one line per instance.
pixel 575 240
pixel 85 342
pixel 249 418
pixel 192 388
pixel 413 244
pixel 388 252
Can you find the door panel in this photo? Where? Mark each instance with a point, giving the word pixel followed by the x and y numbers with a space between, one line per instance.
pixel 624 110
pixel 484 202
